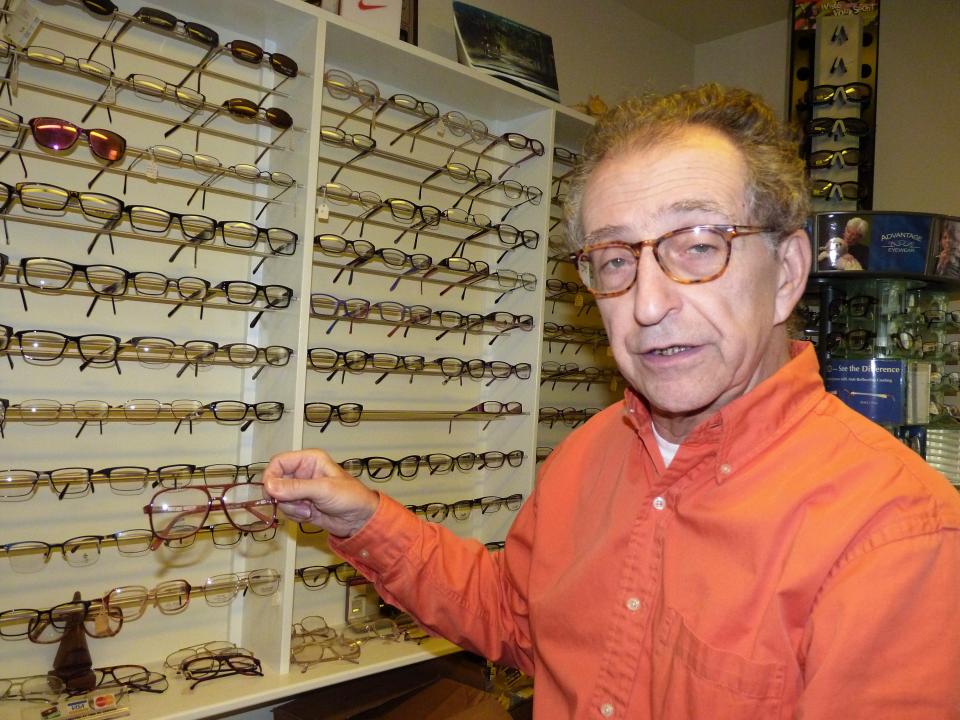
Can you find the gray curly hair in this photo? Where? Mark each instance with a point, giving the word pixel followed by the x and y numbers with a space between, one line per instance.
pixel 777 189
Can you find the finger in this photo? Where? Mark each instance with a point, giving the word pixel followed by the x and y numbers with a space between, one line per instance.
pixel 298 510
pixel 301 464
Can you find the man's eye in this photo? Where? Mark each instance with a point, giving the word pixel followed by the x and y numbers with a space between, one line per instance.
pixel 614 263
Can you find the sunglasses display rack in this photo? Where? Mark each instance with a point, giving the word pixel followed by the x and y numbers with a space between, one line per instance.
pixel 833 99
pixel 226 236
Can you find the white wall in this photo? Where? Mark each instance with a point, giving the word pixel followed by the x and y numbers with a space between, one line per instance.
pixel 600 47
pixel 757 60
pixel 918 108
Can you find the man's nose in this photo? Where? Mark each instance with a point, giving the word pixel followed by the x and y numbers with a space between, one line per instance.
pixel 654 294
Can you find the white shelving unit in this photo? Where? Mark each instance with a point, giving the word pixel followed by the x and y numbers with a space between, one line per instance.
pixel 404 413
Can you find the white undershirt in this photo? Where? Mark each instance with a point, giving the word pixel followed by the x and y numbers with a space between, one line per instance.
pixel 667 449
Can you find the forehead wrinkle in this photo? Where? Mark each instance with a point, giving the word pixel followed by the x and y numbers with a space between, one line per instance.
pixel 692 205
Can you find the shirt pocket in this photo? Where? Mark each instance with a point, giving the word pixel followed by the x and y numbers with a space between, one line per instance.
pixel 693 680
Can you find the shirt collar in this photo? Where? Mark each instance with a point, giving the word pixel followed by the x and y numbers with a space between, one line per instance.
pixel 749 424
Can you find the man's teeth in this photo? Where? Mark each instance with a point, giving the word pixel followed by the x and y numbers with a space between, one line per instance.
pixel 672 350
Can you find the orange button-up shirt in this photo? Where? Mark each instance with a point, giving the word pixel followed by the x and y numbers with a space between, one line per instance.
pixel 794 561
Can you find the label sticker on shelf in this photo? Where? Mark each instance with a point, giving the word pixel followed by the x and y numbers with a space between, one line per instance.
pixel 14 73
pixel 22 22
pixel 109 94
pixel 151 170
pixel 613 385
pixel 609 351
pixel 578 300
pixel 323 211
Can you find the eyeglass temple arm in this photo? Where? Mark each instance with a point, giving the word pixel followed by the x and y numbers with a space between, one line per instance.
pixel 423 182
pixel 414 131
pixel 103 39
pixel 187 119
pixel 473 198
pixel 212 53
pixel 21 138
pixel 356 157
pixel 269 147
pixel 266 203
pixel 210 180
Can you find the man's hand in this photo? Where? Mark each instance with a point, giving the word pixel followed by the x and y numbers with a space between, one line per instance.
pixel 310 487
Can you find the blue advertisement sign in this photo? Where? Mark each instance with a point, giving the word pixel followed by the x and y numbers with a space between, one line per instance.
pixel 873 387
pixel 874 241
pixel 899 242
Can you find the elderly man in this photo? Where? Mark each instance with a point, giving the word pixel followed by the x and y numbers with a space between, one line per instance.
pixel 729 541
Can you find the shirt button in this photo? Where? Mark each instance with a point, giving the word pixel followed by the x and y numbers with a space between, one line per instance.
pixel 634 604
pixel 659 503
pixel 364 554
pixel 606 710
pixel 725 469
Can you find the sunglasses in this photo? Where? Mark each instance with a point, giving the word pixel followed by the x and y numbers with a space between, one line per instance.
pixel 847 157
pixel 250 53
pixel 837 126
pixel 55 134
pixel 856 92
pixel 153 17
pixel 244 109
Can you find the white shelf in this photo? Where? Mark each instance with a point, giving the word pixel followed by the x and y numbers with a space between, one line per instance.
pixel 317 41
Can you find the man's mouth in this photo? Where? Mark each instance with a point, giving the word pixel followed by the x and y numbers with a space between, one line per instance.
pixel 671 350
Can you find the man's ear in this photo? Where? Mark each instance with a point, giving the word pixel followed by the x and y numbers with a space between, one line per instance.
pixel 794 260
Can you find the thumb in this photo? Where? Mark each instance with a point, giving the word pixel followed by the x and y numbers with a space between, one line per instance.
pixel 295 475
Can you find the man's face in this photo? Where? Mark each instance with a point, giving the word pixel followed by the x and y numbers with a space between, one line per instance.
pixel 688 349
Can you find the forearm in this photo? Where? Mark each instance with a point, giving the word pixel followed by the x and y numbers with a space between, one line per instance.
pixel 453 587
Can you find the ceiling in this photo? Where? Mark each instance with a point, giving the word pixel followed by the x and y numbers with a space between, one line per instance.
pixel 703 20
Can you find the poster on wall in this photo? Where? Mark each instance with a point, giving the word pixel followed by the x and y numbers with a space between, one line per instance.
pixel 506 50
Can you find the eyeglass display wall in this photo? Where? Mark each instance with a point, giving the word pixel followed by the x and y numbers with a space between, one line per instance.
pixel 832 97
pixel 578 374
pixel 231 235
